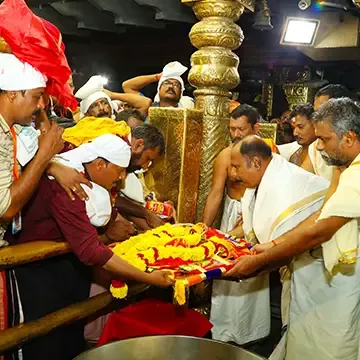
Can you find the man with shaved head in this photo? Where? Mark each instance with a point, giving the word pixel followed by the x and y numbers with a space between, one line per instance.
pixel 279 195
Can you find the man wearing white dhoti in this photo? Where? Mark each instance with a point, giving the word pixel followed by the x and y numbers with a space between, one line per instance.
pixel 291 193
pixel 250 299
pixel 325 287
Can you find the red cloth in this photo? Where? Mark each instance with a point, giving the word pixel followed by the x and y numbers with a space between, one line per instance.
pixel 39 43
pixel 154 317
pixel 51 215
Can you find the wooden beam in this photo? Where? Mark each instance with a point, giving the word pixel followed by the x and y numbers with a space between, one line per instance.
pixel 15 255
pixel 20 334
pixel 87 16
pixel 170 10
pixel 65 24
pixel 128 12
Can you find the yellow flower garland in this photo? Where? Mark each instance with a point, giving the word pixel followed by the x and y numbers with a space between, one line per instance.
pixel 167 242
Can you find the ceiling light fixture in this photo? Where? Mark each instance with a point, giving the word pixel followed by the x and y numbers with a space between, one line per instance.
pixel 299 31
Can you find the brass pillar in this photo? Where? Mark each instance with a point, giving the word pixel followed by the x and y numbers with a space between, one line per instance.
pixel 214 72
pixel 175 177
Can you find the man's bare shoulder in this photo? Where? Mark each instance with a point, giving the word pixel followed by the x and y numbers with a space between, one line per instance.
pixel 224 156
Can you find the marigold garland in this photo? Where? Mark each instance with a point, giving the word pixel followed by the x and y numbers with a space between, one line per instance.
pixel 170 246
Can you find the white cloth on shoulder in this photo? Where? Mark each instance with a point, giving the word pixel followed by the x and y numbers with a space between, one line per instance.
pixel 287 150
pixel 16 75
pixel 345 202
pixel 286 196
pixel 300 192
pixel 319 164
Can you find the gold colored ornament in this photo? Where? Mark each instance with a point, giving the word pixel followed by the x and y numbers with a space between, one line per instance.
pixel 297 94
pixel 214 72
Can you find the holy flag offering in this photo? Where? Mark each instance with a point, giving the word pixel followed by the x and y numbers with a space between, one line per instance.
pixel 39 43
pixel 193 253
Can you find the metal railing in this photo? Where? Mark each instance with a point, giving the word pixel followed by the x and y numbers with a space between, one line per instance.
pixel 16 255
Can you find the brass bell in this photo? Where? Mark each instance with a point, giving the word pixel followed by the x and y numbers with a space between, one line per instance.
pixel 262 17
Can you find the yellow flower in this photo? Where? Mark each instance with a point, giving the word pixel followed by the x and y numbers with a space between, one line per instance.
pixel 119 292
pixel 145 249
pixel 179 292
pixel 192 240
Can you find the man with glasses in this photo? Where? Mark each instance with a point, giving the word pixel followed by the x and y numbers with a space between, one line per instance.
pixel 170 86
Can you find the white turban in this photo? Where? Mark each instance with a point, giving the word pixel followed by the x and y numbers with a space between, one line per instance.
pixel 173 70
pixel 16 75
pixel 109 147
pixel 92 91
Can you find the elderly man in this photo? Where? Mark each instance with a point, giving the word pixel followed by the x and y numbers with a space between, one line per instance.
pixel 98 102
pixel 58 282
pixel 291 193
pixel 252 296
pixel 324 321
pixel 170 86
pixel 315 162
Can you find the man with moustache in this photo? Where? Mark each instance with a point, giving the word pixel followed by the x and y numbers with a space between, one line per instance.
pixel 98 102
pixel 304 132
pixel 170 87
pixel 315 162
pixel 250 299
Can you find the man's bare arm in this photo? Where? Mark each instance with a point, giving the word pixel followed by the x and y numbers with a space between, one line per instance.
pixel 304 237
pixel 139 102
pixel 135 85
pixel 216 194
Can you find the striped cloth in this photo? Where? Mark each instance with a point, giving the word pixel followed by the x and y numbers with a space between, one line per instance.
pixel 6 170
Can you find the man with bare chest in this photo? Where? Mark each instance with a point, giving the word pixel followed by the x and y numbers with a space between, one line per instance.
pixel 244 121
pixel 304 133
pixel 240 312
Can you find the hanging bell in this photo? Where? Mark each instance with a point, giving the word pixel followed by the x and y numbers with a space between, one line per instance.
pixel 262 17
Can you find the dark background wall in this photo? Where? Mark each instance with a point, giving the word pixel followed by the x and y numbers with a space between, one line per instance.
pixel 145 51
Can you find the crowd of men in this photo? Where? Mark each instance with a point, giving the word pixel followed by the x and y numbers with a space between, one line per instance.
pixel 78 176
pixel 298 206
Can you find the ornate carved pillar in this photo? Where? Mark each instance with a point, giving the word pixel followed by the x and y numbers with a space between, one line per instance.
pixel 267 97
pixel 293 80
pixel 214 72
pixel 297 93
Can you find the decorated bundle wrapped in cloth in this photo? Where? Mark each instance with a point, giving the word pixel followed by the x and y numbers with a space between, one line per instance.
pixel 193 253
